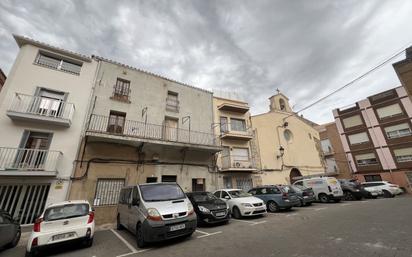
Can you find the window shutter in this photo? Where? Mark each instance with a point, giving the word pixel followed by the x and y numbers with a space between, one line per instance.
pixel 352 121
pixel 240 154
pixel 389 111
pixel 403 151
pixel 358 138
pixel 397 127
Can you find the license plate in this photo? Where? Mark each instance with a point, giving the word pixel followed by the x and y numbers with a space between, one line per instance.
pixel 177 227
pixel 219 214
pixel 62 236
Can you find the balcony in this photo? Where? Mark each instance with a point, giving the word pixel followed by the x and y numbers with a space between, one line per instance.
pixel 41 109
pixel 131 132
pixel 237 163
pixel 233 108
pixel 28 162
pixel 237 135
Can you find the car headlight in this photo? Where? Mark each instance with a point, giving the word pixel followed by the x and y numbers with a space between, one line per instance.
pixel 247 205
pixel 153 214
pixel 190 210
pixel 227 206
pixel 357 190
pixel 203 209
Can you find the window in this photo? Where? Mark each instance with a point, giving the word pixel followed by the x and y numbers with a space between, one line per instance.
pixel 135 195
pixel 223 124
pixel 125 195
pixel 310 135
pixel 33 151
pixel 121 90
pixel 400 130
pixel 108 191
pixel 352 121
pixel 326 146
pixel 403 154
pixel 389 111
pixel 172 102
pixel 366 159
pixel 151 179
pixel 217 194
pixel 198 184
pixel 48 103
pixel 169 178
pixel 358 138
pixel 116 122
pixel 300 183
pixel 227 182
pixel 237 125
pixel 273 190
pixel 370 178
pixel 58 63
pixel 224 194
pixel 282 105
pixel 287 134
pixel 240 154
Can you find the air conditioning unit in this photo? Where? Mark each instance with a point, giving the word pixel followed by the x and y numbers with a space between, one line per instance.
pixel 237 164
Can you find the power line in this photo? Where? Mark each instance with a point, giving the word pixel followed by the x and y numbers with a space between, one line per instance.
pixel 354 80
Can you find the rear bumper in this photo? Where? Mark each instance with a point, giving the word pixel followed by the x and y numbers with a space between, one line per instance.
pixel 308 199
pixel 153 233
pixel 47 246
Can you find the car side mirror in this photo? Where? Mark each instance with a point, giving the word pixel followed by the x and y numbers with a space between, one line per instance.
pixel 227 197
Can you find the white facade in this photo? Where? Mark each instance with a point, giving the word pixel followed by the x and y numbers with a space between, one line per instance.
pixel 28 111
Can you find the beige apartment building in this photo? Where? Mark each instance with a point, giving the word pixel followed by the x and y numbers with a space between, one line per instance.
pixel 42 112
pixel 143 128
pixel 289 145
pixel 237 162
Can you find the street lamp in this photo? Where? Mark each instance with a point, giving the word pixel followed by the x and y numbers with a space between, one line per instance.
pixel 281 151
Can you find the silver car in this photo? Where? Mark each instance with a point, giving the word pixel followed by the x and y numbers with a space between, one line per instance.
pixel 155 212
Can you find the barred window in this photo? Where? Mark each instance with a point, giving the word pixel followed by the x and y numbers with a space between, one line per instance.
pixel 108 191
pixel 172 102
pixel 121 89
pixel 58 63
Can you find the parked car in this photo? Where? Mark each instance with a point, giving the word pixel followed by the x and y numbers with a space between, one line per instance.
pixel 10 230
pixel 276 197
pixel 325 188
pixel 352 190
pixel 388 189
pixel 241 203
pixel 60 223
pixel 209 209
pixel 305 195
pixel 155 212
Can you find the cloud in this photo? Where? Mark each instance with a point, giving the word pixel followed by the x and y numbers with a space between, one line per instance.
pixel 305 48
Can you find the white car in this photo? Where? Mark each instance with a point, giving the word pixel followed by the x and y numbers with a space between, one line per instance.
pixel 241 203
pixel 388 189
pixel 62 222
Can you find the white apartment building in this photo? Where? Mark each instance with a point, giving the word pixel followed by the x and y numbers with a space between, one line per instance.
pixel 42 112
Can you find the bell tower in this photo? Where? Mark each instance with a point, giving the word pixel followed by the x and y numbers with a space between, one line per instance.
pixel 279 102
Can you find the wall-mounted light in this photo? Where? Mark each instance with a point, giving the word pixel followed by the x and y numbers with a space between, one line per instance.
pixel 281 152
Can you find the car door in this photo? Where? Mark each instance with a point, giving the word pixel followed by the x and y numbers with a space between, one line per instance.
pixel 6 229
pixel 133 209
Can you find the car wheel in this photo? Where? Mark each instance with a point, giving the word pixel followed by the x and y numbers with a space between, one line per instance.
pixel 15 241
pixel 139 236
pixel 309 204
pixel 118 225
pixel 323 198
pixel 236 213
pixel 88 242
pixel 348 196
pixel 272 206
pixel 387 194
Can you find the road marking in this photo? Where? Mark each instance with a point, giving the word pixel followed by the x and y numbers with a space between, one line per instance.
pixel 260 222
pixel 289 215
pixel 204 233
pixel 131 248
pixel 346 204
pixel 210 234
pixel 127 254
pixel 319 209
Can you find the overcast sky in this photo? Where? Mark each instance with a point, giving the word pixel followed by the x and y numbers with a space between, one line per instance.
pixel 305 48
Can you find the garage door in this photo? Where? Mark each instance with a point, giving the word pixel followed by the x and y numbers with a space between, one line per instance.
pixel 244 183
pixel 25 202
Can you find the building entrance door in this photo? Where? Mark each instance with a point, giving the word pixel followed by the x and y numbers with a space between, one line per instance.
pixel 170 129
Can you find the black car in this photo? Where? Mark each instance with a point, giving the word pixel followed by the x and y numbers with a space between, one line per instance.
pixel 209 209
pixel 10 231
pixel 305 195
pixel 353 190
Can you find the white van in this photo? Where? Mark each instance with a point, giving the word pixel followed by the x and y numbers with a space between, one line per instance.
pixel 155 212
pixel 325 188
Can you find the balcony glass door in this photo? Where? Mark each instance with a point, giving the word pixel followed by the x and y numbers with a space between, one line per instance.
pixel 116 122
pixel 48 103
pixel 33 155
pixel 170 129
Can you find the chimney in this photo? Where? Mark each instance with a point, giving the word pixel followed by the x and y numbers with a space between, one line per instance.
pixel 409 53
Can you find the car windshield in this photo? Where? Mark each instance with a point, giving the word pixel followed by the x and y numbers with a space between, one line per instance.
pixel 161 192
pixel 297 188
pixel 203 197
pixel 238 193
pixel 66 211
